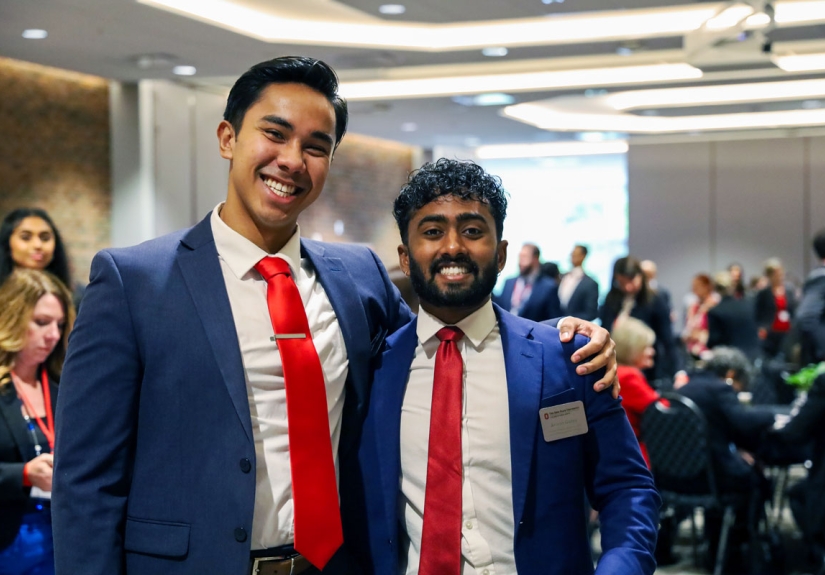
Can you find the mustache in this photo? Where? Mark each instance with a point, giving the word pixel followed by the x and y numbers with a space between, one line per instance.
pixel 446 261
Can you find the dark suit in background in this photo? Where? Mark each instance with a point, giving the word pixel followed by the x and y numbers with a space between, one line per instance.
pixel 731 323
pixel 584 303
pixel 542 303
pixel 765 312
pixel 810 316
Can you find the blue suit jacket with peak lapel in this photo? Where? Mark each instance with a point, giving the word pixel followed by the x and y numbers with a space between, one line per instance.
pixel 549 479
pixel 543 303
pixel 155 466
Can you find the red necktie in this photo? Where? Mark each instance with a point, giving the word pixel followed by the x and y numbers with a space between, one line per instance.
pixel 441 534
pixel 318 533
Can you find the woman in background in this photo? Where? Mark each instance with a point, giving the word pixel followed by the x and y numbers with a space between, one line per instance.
pixel 36 315
pixel 630 296
pixel 775 306
pixel 634 352
pixel 29 239
pixel 695 334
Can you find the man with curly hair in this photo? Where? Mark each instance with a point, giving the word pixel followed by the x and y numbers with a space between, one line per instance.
pixel 484 435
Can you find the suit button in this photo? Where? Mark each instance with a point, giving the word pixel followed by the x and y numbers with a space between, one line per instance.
pixel 240 534
pixel 246 465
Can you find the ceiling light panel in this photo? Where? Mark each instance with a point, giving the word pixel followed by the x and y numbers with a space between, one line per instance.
pixel 550 149
pixel 800 62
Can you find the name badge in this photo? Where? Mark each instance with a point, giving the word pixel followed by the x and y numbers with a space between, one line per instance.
pixel 561 421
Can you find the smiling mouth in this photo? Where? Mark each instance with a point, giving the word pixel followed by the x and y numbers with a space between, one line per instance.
pixel 279 189
pixel 454 271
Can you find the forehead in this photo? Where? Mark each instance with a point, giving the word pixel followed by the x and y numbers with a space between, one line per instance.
pixel 450 207
pixel 302 106
pixel 49 305
pixel 33 223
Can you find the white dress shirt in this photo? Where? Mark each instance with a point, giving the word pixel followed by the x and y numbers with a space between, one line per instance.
pixel 487 525
pixel 272 523
pixel 568 285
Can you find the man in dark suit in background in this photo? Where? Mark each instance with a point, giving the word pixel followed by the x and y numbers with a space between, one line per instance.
pixel 531 294
pixel 810 315
pixel 177 451
pixel 731 322
pixel 578 292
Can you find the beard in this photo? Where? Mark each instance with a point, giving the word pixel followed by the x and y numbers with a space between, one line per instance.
pixel 484 280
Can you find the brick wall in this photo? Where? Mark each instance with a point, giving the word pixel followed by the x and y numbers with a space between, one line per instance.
pixel 55 153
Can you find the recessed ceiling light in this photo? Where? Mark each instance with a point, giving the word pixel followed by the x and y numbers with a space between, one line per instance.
pixel 409 127
pixel 488 99
pixel 184 70
pixel 495 51
pixel 35 34
pixel 624 51
pixel 392 9
pixel 811 104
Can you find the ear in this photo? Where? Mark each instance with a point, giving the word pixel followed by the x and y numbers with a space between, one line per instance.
pixel 226 139
pixel 501 251
pixel 404 259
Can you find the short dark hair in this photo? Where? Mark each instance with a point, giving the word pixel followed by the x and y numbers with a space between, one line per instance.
pixel 286 70
pixel 59 266
pixel 536 251
pixel 583 248
pixel 464 180
pixel 819 244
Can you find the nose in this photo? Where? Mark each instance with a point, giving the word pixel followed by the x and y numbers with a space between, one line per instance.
pixel 291 157
pixel 53 333
pixel 454 243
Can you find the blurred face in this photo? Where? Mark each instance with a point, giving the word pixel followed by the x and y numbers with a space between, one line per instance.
pixel 32 243
pixel 629 285
pixel 577 257
pixel 279 161
pixel 645 359
pixel 701 289
pixel 527 261
pixel 44 331
pixel 453 256
pixel 777 278
pixel 735 274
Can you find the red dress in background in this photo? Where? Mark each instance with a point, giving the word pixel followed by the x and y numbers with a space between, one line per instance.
pixel 637 395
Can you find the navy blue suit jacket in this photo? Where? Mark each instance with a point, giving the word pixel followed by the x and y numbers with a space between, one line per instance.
pixel 549 479
pixel 155 465
pixel 543 303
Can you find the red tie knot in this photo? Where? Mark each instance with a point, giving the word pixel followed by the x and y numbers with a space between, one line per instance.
pixel 449 333
pixel 269 267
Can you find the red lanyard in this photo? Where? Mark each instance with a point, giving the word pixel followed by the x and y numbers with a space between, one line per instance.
pixel 48 427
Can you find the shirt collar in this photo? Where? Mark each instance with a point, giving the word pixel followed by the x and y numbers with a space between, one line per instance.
pixel 476 326
pixel 241 255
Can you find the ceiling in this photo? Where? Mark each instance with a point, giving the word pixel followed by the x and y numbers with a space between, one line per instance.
pixel 128 41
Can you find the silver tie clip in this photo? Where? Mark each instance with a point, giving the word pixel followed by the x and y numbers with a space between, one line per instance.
pixel 288 336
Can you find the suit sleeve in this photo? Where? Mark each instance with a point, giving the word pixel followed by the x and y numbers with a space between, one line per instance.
pixel 764 308
pixel 619 486
pixel 746 424
pixel 715 335
pixel 96 421
pixel 591 301
pixel 11 482
pixel 810 315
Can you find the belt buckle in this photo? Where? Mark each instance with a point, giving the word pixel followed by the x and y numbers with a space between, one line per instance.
pixel 262 560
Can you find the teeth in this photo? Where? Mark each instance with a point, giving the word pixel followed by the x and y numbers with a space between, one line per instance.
pixel 453 271
pixel 280 189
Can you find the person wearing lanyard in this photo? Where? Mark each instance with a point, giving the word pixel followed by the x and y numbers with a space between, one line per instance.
pixel 36 314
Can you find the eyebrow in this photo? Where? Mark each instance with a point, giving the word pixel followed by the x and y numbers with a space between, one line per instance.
pixel 463 217
pixel 318 135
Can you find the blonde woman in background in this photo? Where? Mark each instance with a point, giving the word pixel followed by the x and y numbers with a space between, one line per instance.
pixel 36 315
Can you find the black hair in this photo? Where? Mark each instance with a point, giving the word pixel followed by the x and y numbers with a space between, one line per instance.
pixel 582 248
pixel 630 267
pixel 551 270
pixel 464 180
pixel 59 266
pixel 286 70
pixel 819 244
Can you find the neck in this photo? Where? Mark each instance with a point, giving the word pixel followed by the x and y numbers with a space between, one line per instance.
pixel 26 373
pixel 269 240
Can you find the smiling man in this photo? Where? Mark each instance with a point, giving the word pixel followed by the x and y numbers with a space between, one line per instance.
pixel 217 378
pixel 484 436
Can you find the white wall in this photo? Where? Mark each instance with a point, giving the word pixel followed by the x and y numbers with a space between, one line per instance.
pixel 697 207
pixel 166 170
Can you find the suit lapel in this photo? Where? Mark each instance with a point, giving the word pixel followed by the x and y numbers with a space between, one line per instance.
pixel 341 290
pixel 10 410
pixel 524 365
pixel 201 270
pixel 387 400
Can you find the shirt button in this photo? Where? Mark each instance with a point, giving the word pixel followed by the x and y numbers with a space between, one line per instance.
pixel 485 572
pixel 468 525
pixel 240 534
pixel 246 465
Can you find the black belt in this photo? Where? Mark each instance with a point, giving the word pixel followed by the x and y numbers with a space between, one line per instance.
pixel 282 560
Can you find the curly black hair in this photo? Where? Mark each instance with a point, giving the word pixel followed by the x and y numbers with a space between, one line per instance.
pixel 462 179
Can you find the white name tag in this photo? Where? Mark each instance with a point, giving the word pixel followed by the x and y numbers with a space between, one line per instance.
pixel 39 493
pixel 565 420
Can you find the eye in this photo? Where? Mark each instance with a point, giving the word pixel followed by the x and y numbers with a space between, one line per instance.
pixel 431 232
pixel 275 134
pixel 473 232
pixel 25 236
pixel 317 150
pixel 45 237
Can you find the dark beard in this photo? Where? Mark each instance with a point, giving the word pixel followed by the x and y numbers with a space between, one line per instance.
pixel 455 297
